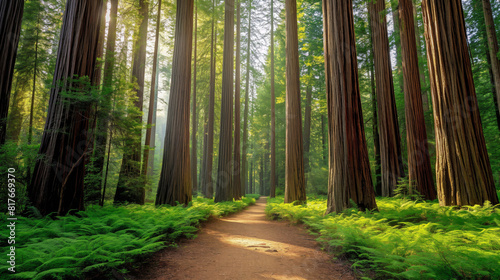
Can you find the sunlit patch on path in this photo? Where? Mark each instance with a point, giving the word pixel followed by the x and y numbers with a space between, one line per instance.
pixel 246 246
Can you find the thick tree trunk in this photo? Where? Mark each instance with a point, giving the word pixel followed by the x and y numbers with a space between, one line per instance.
pixel 57 184
pixel 223 187
pixel 272 186
pixel 194 153
pixel 11 14
pixel 493 46
pixel 390 140
pixel 207 180
pixel 419 164
pixel 175 178
pixel 463 170
pixel 237 158
pixel 130 186
pixel 295 189
pixel 349 166
pixel 146 168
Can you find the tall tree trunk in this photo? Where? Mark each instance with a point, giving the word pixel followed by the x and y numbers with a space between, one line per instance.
pixel 203 167
pixel 11 14
pixel 419 164
pixel 390 139
pixel 245 114
pixel 130 186
pixel 57 184
pixel 323 140
pixel 295 189
pixel 224 189
pixel 493 46
pixel 237 134
pixel 194 153
pixel 272 186
pixel 307 128
pixel 397 42
pixel 376 136
pixel 146 168
pixel 175 178
pixel 463 170
pixel 207 180
pixel 349 166
pixel 152 144
pixel 425 93
pixel 33 93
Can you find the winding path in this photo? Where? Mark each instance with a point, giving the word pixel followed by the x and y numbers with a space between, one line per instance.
pixel 244 246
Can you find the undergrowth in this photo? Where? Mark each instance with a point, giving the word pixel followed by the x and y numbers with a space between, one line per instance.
pixel 406 239
pixel 99 241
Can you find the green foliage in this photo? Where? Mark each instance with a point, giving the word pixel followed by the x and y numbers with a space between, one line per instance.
pixel 406 239
pixel 405 190
pixel 99 240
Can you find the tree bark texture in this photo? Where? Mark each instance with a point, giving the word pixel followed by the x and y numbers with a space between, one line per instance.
pixel 130 186
pixel 237 86
pixel 349 166
pixel 272 186
pixel 390 139
pixel 11 14
pixel 57 184
pixel 175 178
pixel 463 170
pixel 223 187
pixel 295 189
pixel 419 164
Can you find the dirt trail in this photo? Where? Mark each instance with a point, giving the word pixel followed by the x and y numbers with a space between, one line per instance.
pixel 246 246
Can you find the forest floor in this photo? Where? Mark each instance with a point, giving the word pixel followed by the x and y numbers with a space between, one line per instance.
pixel 243 246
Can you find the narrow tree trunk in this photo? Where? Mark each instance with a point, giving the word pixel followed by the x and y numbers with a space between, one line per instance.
pixel 146 168
pixel 152 144
pixel 376 136
pixel 33 93
pixel 57 183
pixel 390 140
pixel 349 166
pixel 245 115
pixel 207 181
pixel 203 167
pixel 425 93
pixel 175 178
pixel 397 42
pixel 237 158
pixel 11 14
pixel 493 46
pixel 272 186
pixel 130 187
pixel 323 140
pixel 419 164
pixel 224 189
pixel 463 170
pixel 194 153
pixel 295 189
pixel 307 127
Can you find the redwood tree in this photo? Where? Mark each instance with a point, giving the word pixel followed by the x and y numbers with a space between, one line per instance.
pixel 194 167
pixel 349 166
pixel 175 178
pixel 130 187
pixel 272 187
pixel 419 164
pixel 237 156
pixel 295 189
pixel 244 162
pixel 390 139
pixel 11 14
pixel 206 176
pixel 223 187
pixel 57 183
pixel 463 170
